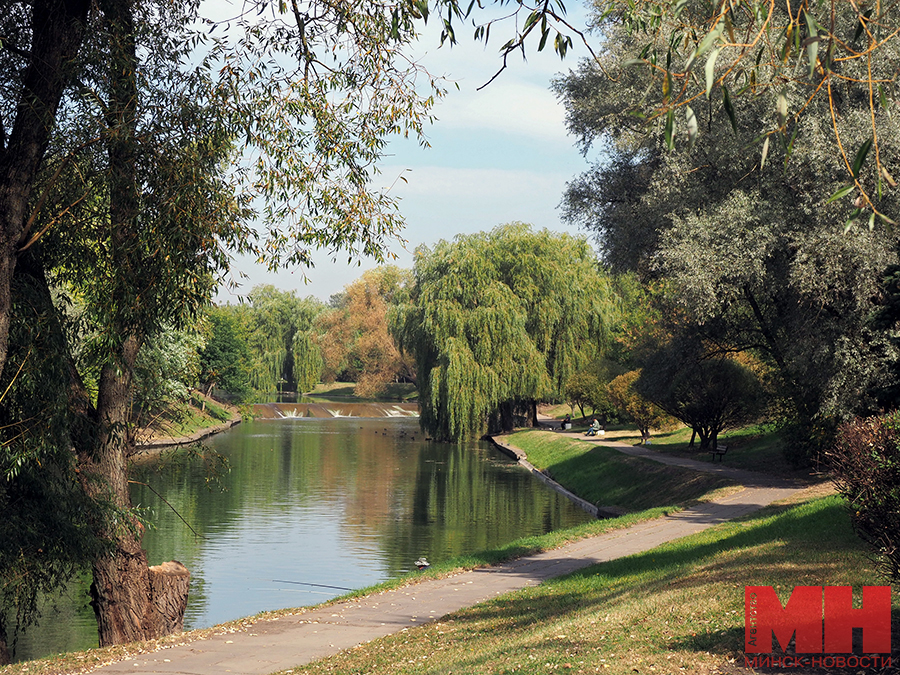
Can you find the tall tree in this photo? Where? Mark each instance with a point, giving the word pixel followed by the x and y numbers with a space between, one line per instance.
pixel 708 392
pixel 499 321
pixel 281 341
pixel 225 358
pixel 355 337
pixel 754 252
pixel 310 93
pixel 36 60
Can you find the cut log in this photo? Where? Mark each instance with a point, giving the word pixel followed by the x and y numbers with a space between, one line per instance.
pixel 169 585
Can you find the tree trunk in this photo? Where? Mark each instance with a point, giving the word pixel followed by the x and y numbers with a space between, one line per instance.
pixel 121 588
pixel 704 439
pixel 507 416
pixel 4 650
pixel 130 601
pixel 693 438
pixel 169 584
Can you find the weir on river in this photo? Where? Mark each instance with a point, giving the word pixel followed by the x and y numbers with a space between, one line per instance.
pixel 332 409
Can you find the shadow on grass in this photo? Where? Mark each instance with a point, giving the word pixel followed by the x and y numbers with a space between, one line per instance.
pixel 732 640
pixel 786 545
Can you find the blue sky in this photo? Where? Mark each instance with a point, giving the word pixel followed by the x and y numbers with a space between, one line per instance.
pixel 497 155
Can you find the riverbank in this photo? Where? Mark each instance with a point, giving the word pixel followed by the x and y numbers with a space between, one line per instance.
pixel 564 602
pixel 199 418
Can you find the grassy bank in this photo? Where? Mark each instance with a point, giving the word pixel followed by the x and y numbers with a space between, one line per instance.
pixel 606 477
pixel 756 447
pixel 677 608
pixel 182 420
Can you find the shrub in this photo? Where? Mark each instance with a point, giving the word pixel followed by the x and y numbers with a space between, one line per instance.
pixel 865 465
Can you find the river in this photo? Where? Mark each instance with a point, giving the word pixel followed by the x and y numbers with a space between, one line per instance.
pixel 311 507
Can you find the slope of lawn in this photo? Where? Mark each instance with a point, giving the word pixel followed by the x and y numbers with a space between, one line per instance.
pixel 606 477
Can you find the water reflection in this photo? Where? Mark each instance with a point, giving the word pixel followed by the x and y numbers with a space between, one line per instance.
pixel 313 506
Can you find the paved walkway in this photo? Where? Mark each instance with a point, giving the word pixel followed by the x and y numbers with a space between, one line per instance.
pixel 282 643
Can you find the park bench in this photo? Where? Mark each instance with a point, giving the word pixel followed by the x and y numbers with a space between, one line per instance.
pixel 719 451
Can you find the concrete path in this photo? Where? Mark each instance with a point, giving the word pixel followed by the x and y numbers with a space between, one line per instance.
pixel 282 643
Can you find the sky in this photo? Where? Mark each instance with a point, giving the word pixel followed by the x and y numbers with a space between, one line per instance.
pixel 497 155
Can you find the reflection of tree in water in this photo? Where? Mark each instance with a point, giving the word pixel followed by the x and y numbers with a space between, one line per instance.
pixel 467 499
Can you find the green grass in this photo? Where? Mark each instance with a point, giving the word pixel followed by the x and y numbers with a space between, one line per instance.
pixel 675 609
pixel 755 448
pixel 558 410
pixel 214 410
pixel 606 477
pixel 184 421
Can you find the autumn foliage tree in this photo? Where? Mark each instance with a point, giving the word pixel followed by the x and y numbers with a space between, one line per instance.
pixel 355 337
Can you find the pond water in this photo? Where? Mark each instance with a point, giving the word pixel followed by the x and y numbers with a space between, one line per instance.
pixel 312 507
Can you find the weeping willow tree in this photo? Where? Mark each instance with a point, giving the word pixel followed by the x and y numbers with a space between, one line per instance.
pixel 499 321
pixel 279 326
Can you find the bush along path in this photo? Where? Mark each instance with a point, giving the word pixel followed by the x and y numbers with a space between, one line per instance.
pixel 271 645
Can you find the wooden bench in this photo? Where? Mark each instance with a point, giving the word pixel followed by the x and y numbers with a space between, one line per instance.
pixel 719 452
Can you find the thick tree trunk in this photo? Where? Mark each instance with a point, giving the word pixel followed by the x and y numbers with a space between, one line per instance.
pixel 121 588
pixel 57 31
pixel 131 602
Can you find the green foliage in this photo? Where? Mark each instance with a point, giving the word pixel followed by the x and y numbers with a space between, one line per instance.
pixel 225 358
pixel 801 66
pixel 865 466
pixel 754 257
pixel 166 369
pixel 884 320
pixel 706 392
pixel 501 318
pixel 47 531
pixel 276 331
pixel 629 404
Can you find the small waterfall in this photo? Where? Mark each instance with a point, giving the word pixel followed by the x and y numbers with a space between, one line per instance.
pixel 333 409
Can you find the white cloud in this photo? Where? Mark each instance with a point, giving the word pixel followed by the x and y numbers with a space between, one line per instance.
pixel 509 106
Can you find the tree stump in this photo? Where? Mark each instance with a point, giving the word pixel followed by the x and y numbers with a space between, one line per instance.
pixel 169 585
